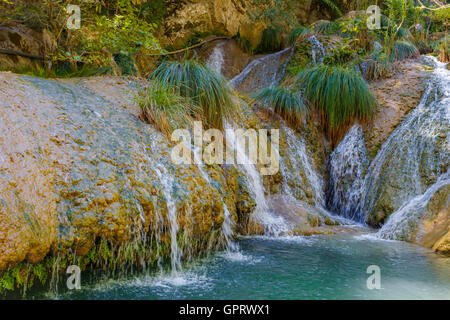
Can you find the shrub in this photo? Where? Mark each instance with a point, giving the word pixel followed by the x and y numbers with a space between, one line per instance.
pixel 287 103
pixel 271 40
pixel 340 55
pixel 163 107
pixel 206 88
pixel 340 96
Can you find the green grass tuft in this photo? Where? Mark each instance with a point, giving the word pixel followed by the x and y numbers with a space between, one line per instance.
pixel 204 87
pixel 340 96
pixel 163 107
pixel 287 103
pixel 404 50
pixel 296 33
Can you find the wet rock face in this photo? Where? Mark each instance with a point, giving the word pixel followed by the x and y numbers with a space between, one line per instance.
pixel 397 96
pixel 225 55
pixel 265 71
pixel 16 38
pixel 434 228
pixel 226 17
pixel 75 167
pixel 411 165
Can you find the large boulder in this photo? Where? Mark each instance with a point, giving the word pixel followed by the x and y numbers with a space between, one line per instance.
pixel 78 167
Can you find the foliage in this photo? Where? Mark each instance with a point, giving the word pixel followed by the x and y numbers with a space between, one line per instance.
pixel 296 33
pixel 356 29
pixel 282 13
pixel 163 107
pixel 206 88
pixel 278 13
pixel 107 28
pixel 339 95
pixel 333 6
pixel 271 40
pixel 326 27
pixel 287 103
pixel 340 55
pixel 125 63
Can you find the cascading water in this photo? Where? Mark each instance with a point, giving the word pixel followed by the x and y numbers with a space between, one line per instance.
pixel 227 225
pixel 272 225
pixel 299 159
pixel 403 222
pixel 167 183
pixel 266 71
pixel 416 154
pixel 424 140
pixel 317 50
pixel 347 168
pixel 216 59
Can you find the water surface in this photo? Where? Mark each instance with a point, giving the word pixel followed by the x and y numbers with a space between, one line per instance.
pixel 318 267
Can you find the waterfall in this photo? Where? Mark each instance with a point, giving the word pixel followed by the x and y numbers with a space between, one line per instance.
pixel 426 126
pixel 347 168
pixel 418 150
pixel 317 50
pixel 266 71
pixel 227 225
pixel 167 184
pixel 301 163
pixel 403 222
pixel 262 214
pixel 216 59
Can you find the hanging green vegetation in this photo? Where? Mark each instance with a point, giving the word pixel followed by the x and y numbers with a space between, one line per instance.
pixel 271 40
pixel 206 88
pixel 340 96
pixel 287 103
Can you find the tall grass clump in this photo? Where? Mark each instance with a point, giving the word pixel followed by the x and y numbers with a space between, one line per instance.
pixel 298 32
pixel 287 103
pixel 163 107
pixel 339 95
pixel 404 50
pixel 206 88
pixel 270 41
